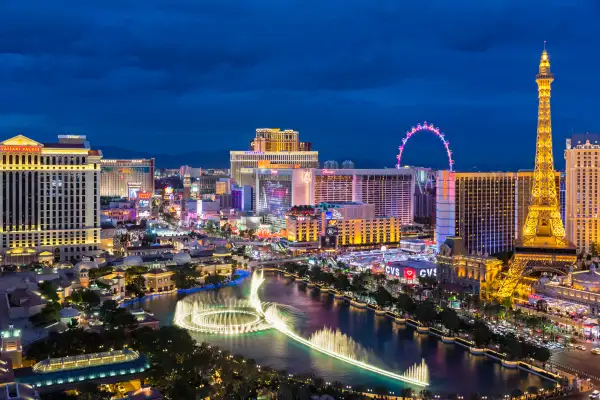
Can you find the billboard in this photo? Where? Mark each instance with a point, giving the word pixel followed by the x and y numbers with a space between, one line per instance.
pixel 409 273
pixel 328 242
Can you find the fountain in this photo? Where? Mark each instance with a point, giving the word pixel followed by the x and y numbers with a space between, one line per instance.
pixel 217 315
pixel 337 342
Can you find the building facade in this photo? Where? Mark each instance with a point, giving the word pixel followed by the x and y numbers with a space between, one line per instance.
pixel 273 149
pixel 486 209
pixel 124 178
pixel 390 191
pixel 50 200
pixel 471 272
pixel 583 191
pixel 340 224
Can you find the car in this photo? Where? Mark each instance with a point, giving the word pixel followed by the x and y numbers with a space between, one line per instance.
pixel 596 350
pixel 580 347
pixel 595 394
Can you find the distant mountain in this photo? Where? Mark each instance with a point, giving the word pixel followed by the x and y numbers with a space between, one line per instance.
pixel 204 159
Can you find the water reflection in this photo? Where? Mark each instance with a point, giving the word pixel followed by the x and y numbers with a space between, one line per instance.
pixel 452 369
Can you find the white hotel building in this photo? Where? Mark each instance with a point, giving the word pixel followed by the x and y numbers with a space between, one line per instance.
pixel 50 197
pixel 583 190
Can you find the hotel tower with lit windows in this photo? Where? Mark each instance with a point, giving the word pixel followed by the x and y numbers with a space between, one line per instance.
pixel 50 200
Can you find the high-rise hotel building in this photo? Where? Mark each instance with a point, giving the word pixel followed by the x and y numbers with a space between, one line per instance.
pixel 272 149
pixel 486 209
pixel 583 190
pixel 124 178
pixel 50 199
pixel 390 191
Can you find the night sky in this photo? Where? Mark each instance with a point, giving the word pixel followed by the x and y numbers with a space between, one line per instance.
pixel 172 76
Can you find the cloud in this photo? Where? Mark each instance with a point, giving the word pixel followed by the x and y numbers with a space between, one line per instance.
pixel 196 71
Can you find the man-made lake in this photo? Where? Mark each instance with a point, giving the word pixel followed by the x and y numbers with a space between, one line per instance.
pixel 452 368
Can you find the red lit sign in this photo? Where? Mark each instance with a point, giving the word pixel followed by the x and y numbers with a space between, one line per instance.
pixel 21 149
pixel 328 172
pixel 409 273
pixel 144 195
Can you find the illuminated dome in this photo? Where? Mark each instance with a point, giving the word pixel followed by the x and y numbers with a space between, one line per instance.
pixel 101 261
pixel 587 280
pixel 182 258
pixel 87 265
pixel 133 261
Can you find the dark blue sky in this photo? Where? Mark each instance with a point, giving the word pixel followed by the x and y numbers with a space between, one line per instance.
pixel 351 76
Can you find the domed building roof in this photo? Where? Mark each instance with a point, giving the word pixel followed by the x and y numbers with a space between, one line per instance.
pixel 222 251
pixel 69 312
pixel 182 258
pixel 587 280
pixel 133 261
pixel 87 265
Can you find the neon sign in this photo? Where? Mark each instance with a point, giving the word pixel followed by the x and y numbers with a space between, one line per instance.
pixel 21 149
pixel 328 172
pixel 144 195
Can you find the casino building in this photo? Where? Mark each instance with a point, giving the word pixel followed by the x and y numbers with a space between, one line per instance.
pixel 125 178
pixel 272 148
pixel 49 207
pixel 389 191
pixel 339 224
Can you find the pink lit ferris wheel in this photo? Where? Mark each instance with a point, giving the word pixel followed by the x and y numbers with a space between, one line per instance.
pixel 425 127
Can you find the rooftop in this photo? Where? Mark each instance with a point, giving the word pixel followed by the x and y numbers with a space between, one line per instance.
pixel 85 361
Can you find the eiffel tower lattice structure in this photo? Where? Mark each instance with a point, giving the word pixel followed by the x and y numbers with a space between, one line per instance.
pixel 543 246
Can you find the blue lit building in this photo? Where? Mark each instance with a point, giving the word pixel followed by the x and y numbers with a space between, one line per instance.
pixel 68 372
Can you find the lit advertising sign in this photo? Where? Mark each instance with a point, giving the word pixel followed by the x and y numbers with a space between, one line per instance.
pixel 169 190
pixel 144 195
pixel 21 149
pixel 409 273
pixel 328 172
pixel 144 204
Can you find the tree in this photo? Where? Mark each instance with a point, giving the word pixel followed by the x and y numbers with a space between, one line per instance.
pixel 48 290
pixel 49 314
pixel 315 274
pixel 89 298
pixel 214 279
pixel 481 333
pixel 342 283
pixel 450 320
pixel 512 347
pixel 210 227
pixel 405 303
pixel 426 312
pixel 383 297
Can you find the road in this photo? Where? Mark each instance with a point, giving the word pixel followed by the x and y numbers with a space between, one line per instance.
pixel 580 360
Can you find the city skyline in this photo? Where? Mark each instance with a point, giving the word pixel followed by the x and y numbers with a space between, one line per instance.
pixel 467 69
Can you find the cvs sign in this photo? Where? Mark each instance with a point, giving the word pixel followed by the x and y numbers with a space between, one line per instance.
pixel 409 273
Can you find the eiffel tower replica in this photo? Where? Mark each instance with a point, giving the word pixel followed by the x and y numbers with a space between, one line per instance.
pixel 543 246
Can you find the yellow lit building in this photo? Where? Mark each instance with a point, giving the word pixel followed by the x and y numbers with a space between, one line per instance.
pixel 302 224
pixel 370 232
pixel 158 280
pixel 476 273
pixel 50 198
pixel 272 148
pixel 340 224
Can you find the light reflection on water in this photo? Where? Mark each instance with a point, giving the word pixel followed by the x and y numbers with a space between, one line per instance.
pixel 452 369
